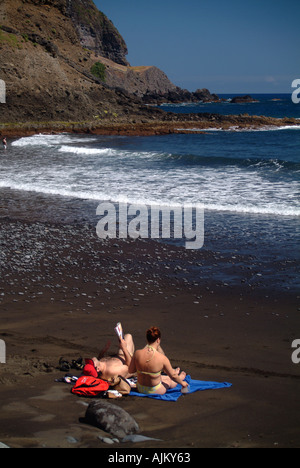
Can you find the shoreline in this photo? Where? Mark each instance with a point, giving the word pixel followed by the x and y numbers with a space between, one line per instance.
pixel 62 291
pixel 170 123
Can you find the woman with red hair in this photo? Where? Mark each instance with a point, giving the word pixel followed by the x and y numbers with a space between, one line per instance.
pixel 150 362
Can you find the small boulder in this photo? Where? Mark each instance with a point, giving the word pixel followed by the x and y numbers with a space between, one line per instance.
pixel 111 418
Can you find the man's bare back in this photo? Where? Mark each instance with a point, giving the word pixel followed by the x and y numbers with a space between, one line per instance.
pixel 110 367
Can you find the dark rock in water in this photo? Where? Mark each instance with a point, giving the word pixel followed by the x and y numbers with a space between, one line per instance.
pixel 243 99
pixel 205 95
pixel 111 418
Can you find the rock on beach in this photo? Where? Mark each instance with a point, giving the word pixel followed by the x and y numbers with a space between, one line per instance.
pixel 111 418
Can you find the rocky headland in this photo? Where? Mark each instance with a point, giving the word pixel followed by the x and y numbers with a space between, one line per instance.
pixel 48 50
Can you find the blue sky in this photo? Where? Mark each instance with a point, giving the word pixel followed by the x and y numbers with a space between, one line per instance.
pixel 227 46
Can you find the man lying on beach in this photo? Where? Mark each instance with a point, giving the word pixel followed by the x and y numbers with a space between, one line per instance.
pixel 107 368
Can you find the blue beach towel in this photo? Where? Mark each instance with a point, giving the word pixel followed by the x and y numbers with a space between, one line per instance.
pixel 174 393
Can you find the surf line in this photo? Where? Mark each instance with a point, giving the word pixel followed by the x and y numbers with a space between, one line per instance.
pixel 154 221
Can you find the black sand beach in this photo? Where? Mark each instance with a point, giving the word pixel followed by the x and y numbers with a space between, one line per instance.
pixel 63 290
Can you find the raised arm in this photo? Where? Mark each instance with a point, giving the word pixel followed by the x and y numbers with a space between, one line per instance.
pixel 123 347
pixel 132 366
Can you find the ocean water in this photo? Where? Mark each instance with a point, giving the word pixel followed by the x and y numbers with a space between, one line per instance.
pixel 270 105
pixel 246 181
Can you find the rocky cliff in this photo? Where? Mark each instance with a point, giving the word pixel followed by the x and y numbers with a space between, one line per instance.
pixel 96 32
pixel 47 50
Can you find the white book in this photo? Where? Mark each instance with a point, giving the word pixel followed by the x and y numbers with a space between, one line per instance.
pixel 119 330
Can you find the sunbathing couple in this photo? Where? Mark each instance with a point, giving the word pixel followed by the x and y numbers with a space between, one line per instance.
pixel 148 363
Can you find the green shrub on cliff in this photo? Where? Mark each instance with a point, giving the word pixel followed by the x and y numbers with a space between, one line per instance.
pixel 9 39
pixel 98 70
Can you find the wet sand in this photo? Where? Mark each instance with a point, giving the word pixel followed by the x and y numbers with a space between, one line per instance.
pixel 62 290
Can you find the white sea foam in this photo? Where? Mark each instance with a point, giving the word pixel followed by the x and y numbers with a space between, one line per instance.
pixel 62 169
pixel 289 127
pixel 47 140
pixel 111 194
pixel 236 128
pixel 272 210
pixel 84 150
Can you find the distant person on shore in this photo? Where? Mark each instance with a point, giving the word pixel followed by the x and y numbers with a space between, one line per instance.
pixel 150 362
pixel 4 142
pixel 112 366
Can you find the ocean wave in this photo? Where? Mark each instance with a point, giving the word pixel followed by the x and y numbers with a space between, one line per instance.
pixel 274 210
pixel 144 199
pixel 237 162
pixel 47 140
pixel 240 174
pixel 236 128
pixel 84 150
pixel 55 191
pixel 120 153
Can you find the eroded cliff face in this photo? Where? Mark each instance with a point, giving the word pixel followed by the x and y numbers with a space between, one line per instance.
pixel 48 48
pixel 47 70
pixel 94 30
